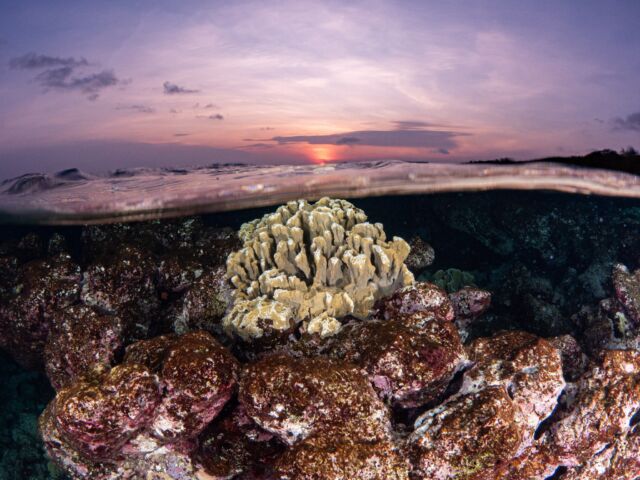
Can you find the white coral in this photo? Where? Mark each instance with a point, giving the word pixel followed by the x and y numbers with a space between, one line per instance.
pixel 323 261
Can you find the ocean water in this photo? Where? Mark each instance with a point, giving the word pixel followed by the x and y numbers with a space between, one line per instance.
pixel 542 239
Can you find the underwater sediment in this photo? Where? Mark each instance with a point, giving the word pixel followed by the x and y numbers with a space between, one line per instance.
pixel 311 343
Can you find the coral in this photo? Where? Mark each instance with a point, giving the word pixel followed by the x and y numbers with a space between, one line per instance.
pixel 82 341
pixel 409 360
pixel 40 288
pixel 314 259
pixel 451 279
pixel 421 255
pixel 296 398
pixel 466 435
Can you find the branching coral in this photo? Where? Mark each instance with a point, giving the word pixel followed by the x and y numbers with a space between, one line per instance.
pixel 319 261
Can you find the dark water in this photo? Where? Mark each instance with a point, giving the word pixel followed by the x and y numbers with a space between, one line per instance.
pixel 543 256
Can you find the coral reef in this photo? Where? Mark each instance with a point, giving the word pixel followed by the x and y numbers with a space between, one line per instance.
pixel 532 374
pixel 314 263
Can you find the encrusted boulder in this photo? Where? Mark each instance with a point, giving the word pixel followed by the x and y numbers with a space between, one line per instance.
pixel 296 398
pixel 234 445
pixel 98 416
pixel 203 304
pixel 421 255
pixel 322 261
pixel 143 415
pixel 328 458
pixel 627 291
pixel 468 304
pixel 606 399
pixel 198 377
pixel 529 368
pixel 124 285
pixel 82 341
pixel 574 361
pixel 410 360
pixel 40 289
pixel 422 297
pixel 466 435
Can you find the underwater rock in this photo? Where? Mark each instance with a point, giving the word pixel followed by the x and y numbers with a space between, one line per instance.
pixel 82 341
pixel 468 304
pixel 233 445
pixel 607 398
pixel 98 416
pixel 123 285
pixel 421 255
pixel 574 361
pixel 197 375
pixel 612 324
pixel 295 398
pixel 465 435
pixel 40 288
pixel 328 458
pixel 146 411
pixel 314 259
pixel 421 297
pixel 620 460
pixel 529 368
pixel 203 304
pixel 627 289
pixel 410 360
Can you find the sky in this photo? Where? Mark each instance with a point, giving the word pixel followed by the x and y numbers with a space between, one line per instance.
pixel 116 84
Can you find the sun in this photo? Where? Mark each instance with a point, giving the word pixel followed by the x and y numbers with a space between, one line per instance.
pixel 321 154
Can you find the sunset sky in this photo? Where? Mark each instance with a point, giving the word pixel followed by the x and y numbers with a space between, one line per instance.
pixel 128 83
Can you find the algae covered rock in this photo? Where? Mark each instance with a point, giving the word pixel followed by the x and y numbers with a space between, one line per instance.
pixel 321 261
pixel 296 398
pixel 466 435
pixel 82 341
pixel 330 459
pixel 410 360
pixel 40 288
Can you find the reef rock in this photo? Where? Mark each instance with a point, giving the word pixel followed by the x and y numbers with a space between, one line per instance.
pixel 233 445
pixel 526 366
pixel 466 435
pixel 326 458
pixel 468 304
pixel 198 377
pixel 421 298
pixel 410 360
pixel 143 415
pixel 606 399
pixel 421 255
pixel 82 341
pixel 296 398
pixel 123 285
pixel 40 289
pixel 321 261
pixel 98 416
